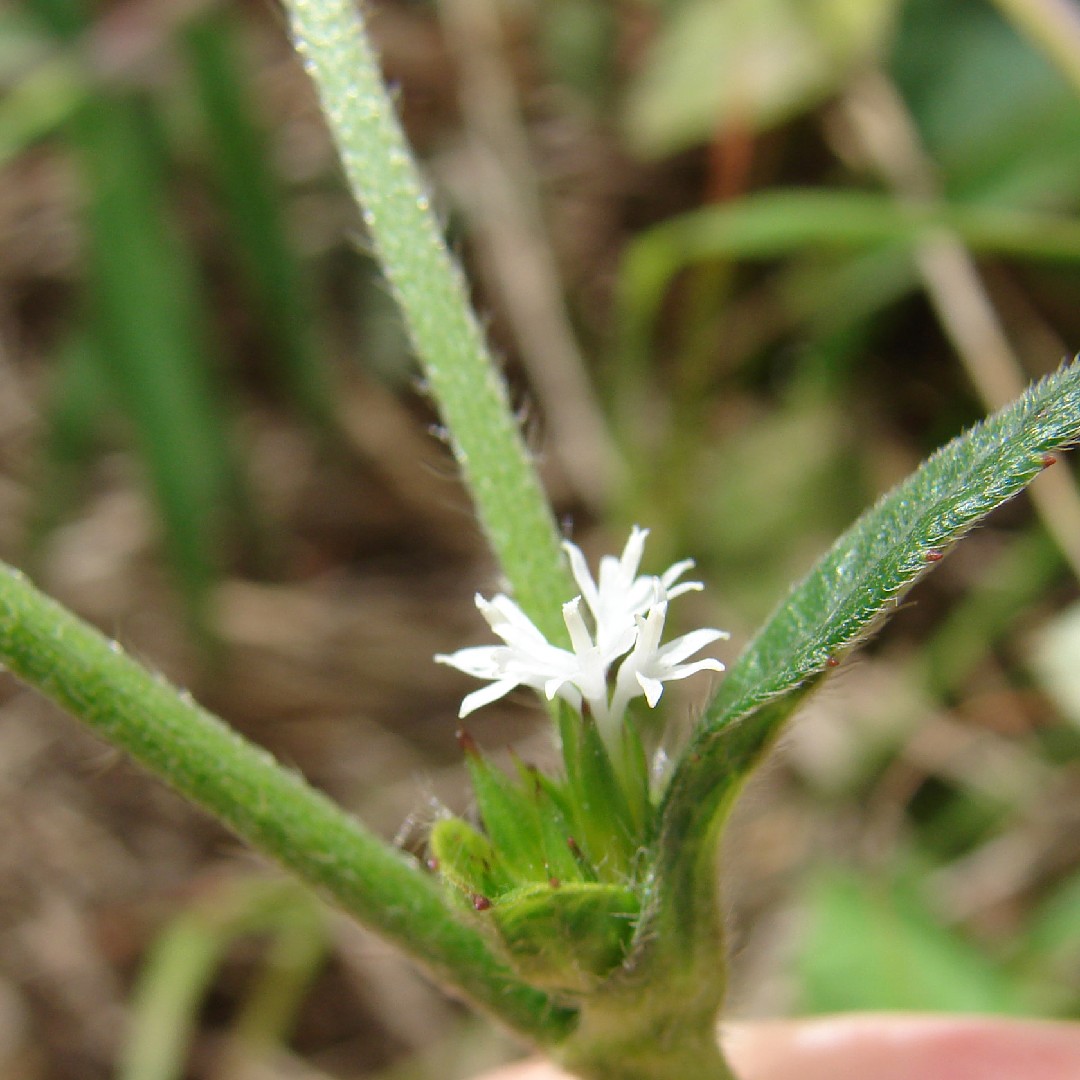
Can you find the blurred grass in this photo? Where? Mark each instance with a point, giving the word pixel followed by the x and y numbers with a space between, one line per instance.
pixel 152 340
pixel 767 358
pixel 238 153
pixel 186 957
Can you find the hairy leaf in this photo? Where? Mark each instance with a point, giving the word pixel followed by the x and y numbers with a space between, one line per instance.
pixel 853 587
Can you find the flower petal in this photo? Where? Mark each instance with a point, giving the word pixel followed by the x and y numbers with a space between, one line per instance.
pixel 676 571
pixel 684 671
pixel 652 688
pixel 485 696
pixel 635 548
pixel 482 661
pixel 623 620
pixel 580 569
pixel 580 638
pixel 677 650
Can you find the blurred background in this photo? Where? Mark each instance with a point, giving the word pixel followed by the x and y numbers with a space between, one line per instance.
pixel 747 262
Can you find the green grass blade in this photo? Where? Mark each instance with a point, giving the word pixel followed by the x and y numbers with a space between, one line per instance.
pixel 850 590
pixel 167 999
pixel 775 223
pixel 253 201
pixel 184 960
pixel 151 319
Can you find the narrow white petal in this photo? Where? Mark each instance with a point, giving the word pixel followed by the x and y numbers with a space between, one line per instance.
pixel 650 630
pixel 580 569
pixel 485 696
pixel 684 587
pixel 501 611
pixel 676 651
pixel 651 688
pixel 482 661
pixel 575 624
pixel 554 685
pixel 684 671
pixel 676 571
pixel 615 645
pixel 635 548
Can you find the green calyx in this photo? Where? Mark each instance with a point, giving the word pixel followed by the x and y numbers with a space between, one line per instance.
pixel 566 939
pixel 555 875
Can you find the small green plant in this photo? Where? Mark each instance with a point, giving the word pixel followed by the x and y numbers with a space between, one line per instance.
pixel 581 910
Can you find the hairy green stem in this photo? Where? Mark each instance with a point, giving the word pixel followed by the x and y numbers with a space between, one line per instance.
pixel 428 286
pixel 274 810
pixel 635 1037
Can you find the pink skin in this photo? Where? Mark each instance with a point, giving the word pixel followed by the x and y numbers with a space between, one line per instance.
pixel 885 1047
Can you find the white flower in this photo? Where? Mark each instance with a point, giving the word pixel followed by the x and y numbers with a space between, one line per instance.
pixel 628 612
pixel 651 664
pixel 622 594
pixel 528 659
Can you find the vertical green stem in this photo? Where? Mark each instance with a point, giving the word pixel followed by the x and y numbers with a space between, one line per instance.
pixel 428 286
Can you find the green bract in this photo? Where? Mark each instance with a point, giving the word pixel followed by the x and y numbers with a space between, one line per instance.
pixel 554 876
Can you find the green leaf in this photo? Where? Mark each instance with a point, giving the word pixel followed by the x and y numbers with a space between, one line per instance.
pixel 872 946
pixel 467 861
pixel 1013 136
pixel 553 816
pixel 853 587
pixel 603 821
pixel 896 541
pixel 510 816
pixel 151 326
pixel 184 960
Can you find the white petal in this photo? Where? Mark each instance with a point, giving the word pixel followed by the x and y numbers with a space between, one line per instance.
pixel 635 548
pixel 481 661
pixel 684 587
pixel 575 624
pixel 554 685
pixel 503 614
pixel 684 671
pixel 650 630
pixel 676 571
pixel 580 569
pixel 676 651
pixel 615 645
pixel 652 689
pixel 485 696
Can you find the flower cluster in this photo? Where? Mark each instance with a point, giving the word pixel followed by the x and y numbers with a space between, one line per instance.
pixel 623 621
